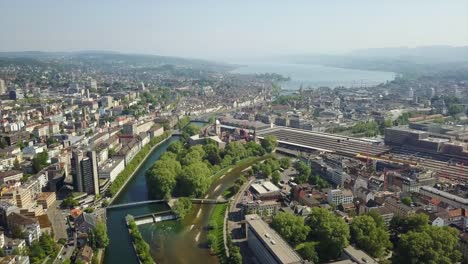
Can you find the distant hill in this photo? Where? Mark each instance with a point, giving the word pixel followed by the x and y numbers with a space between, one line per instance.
pixel 411 62
pixel 429 53
pixel 109 57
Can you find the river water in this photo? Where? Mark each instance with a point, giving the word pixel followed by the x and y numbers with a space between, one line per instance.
pixel 170 241
pixel 120 248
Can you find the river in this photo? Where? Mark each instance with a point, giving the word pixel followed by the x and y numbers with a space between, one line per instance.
pixel 170 241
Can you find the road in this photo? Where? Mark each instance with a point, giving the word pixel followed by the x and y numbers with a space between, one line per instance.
pixel 58 219
pixel 235 214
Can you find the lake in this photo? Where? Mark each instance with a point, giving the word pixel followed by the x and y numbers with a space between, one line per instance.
pixel 315 76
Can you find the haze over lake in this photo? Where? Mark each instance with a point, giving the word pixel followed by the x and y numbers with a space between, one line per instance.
pixel 315 76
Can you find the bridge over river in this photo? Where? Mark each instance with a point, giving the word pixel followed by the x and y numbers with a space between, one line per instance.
pixel 170 202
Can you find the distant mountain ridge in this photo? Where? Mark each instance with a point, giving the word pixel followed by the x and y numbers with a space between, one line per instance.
pixel 109 57
pixel 438 53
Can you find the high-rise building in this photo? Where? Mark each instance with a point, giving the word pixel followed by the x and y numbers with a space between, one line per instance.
pixel 411 93
pixel 432 92
pixel 141 86
pixel 2 87
pixel 93 84
pixel 85 172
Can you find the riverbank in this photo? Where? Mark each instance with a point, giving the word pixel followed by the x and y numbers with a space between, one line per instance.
pixel 216 233
pixel 142 249
pixel 132 168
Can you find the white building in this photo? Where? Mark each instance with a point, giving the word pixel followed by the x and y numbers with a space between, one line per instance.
pixel 339 196
pixel 111 169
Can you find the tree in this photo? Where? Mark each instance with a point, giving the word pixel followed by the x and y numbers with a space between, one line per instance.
pixel 112 152
pixel 407 200
pixel 48 244
pixel 40 161
pixel 236 150
pixel 212 153
pixel 307 252
pixel 416 222
pixel 276 177
pixel 194 155
pixel 211 120
pixel 235 256
pixel 2 252
pixel 69 202
pixel 182 207
pixel 100 235
pixel 285 163
pixel 36 253
pixel 304 172
pixel 161 182
pixel 191 130
pixel 16 164
pixel 269 143
pixel 319 181
pixel 51 141
pixel 176 147
pixel 290 227
pixel 265 169
pixel 194 180
pixel 431 245
pixel 161 178
pixel 331 233
pixel 3 143
pixel 370 237
pixel 254 149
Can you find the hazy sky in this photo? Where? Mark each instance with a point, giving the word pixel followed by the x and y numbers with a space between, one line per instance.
pixel 230 28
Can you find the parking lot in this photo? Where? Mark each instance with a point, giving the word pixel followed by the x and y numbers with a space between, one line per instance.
pixel 58 218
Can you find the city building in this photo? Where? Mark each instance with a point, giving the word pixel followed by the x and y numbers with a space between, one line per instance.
pixel 265 190
pixel 267 245
pixel 2 87
pixel 340 196
pixel 448 198
pixel 111 169
pixel 2 239
pixel 85 222
pixel 398 208
pixel 267 208
pixel 46 199
pixel 6 208
pixel 10 177
pixel 85 172
pixel 13 244
pixel 29 227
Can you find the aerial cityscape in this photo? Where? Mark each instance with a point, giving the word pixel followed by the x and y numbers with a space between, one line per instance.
pixel 271 132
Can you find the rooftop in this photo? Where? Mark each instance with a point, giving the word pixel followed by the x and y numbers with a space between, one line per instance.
pixel 323 142
pixel 359 255
pixel 265 187
pixel 445 194
pixel 272 240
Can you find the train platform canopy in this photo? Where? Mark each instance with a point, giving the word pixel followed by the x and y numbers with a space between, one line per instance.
pixel 304 139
